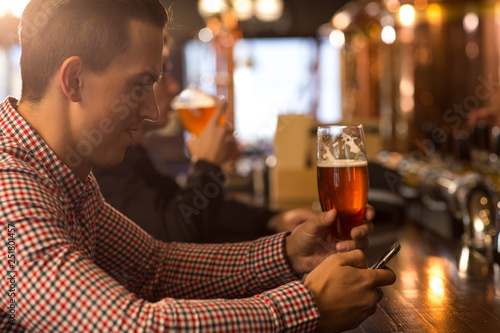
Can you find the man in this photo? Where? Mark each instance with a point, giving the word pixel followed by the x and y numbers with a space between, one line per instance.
pixel 198 211
pixel 75 264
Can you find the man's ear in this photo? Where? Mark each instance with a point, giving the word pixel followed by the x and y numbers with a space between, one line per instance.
pixel 70 78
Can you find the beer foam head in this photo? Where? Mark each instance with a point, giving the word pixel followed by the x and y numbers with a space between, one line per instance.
pixel 332 163
pixel 193 98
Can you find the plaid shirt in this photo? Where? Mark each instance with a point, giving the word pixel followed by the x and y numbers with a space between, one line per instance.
pixel 72 263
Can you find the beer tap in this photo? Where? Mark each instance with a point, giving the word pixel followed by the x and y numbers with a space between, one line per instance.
pixel 445 146
pixel 464 201
pixel 480 144
pixel 477 202
pixel 461 152
pixel 472 200
pixel 434 137
pixel 494 157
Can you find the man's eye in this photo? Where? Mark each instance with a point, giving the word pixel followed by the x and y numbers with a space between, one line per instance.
pixel 146 84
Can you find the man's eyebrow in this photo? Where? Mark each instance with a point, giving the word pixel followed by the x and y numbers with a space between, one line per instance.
pixel 146 75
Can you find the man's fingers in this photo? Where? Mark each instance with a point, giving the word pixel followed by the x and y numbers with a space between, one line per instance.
pixel 354 258
pixel 362 231
pixel 325 219
pixel 383 277
pixel 317 225
pixel 229 127
pixel 344 246
pixel 369 212
pixel 219 112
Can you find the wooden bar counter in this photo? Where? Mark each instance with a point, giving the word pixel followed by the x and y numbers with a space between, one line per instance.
pixel 441 286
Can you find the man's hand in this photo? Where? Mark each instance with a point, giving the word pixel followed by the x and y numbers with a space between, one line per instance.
pixel 310 243
pixel 289 220
pixel 216 143
pixel 345 291
pixel 488 114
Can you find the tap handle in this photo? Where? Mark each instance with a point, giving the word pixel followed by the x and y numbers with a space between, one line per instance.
pixel 495 141
pixel 445 143
pixel 460 146
pixel 480 136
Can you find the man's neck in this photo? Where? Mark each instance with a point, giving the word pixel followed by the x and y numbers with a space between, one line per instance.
pixel 48 119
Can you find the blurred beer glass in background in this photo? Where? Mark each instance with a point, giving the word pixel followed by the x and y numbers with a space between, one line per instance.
pixel 195 108
pixel 343 176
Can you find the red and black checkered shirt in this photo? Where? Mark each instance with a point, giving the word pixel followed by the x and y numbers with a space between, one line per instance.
pixel 72 263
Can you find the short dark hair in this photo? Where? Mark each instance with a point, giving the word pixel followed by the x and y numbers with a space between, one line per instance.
pixel 95 30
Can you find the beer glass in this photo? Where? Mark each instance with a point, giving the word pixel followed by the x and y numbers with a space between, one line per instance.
pixel 195 108
pixel 343 176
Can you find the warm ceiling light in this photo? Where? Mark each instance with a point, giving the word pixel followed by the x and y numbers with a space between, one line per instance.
pixel 264 10
pixel 388 35
pixel 434 13
pixel 268 10
pixel 471 22
pixel 407 15
pixel 207 8
pixel 421 4
pixel 392 5
pixel 337 38
pixel 341 20
pixel 243 9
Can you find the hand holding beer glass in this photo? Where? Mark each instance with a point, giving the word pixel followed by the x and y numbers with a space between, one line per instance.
pixel 195 108
pixel 203 115
pixel 343 176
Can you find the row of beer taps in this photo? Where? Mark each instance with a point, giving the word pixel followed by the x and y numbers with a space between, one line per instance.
pixel 460 171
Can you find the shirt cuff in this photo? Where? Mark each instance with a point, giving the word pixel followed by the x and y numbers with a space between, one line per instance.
pixel 205 166
pixel 272 268
pixel 295 308
pixel 293 302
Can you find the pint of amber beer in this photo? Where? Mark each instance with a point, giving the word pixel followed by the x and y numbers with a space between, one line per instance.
pixel 343 176
pixel 195 108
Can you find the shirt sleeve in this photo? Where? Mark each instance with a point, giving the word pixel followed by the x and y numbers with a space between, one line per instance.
pixel 133 283
pixel 188 270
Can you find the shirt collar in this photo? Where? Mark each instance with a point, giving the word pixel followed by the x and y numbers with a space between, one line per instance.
pixel 14 127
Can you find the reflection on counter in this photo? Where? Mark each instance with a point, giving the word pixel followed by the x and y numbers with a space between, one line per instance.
pixel 441 286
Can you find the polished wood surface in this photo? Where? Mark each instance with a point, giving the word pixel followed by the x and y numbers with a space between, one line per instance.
pixel 441 286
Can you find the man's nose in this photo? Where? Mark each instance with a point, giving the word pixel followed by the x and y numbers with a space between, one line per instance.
pixel 149 109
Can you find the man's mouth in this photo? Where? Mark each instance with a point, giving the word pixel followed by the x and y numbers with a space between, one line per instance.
pixel 131 132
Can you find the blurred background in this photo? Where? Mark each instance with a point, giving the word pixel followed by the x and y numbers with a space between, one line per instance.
pixel 276 55
pixel 410 71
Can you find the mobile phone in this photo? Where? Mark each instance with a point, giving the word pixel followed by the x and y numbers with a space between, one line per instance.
pixel 384 259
